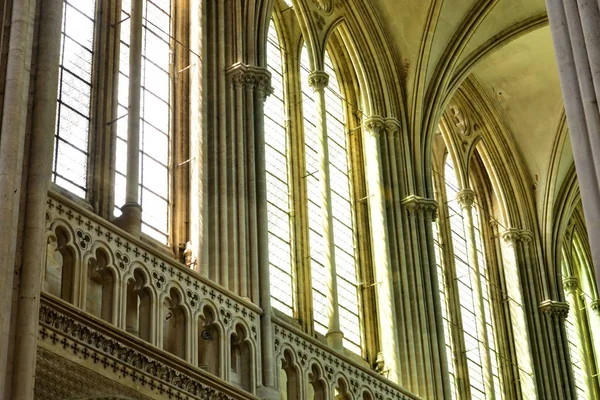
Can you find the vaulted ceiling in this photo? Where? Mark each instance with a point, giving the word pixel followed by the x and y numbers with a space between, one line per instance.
pixel 506 46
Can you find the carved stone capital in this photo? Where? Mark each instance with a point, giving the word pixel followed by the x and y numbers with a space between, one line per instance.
pixel 318 80
pixel 556 309
pixel 526 236
pixel 571 285
pixel 415 204
pixel 466 198
pixel 595 305
pixel 392 126
pixel 257 78
pixel 512 235
pixel 375 125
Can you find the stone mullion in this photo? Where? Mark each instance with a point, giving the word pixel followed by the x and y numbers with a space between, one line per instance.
pixel 466 199
pixel 104 109
pixel 453 301
pixel 388 330
pixel 131 217
pixel 509 366
pixel 318 81
pixel 419 286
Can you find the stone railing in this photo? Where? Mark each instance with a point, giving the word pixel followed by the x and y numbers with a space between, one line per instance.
pixel 128 365
pixel 315 364
pixel 100 269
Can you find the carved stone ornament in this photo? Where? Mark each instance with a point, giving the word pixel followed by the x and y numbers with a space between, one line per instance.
pixel 311 356
pixel 110 352
pixel 162 273
pixel 571 284
pixel 252 77
pixel 466 198
pixel 555 309
pixel 417 205
pixel 324 5
pixel 375 125
pixel 318 80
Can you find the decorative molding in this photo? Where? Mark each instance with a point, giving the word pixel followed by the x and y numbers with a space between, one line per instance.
pixel 258 78
pixel 128 254
pixel 307 352
pixel 466 198
pixel 393 127
pixel 318 80
pixel 67 331
pixel 595 306
pixel 416 204
pixel 58 378
pixel 571 284
pixel 552 308
pixel 375 125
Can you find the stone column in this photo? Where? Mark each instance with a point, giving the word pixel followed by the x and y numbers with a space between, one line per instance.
pixel 131 217
pixel 38 183
pixel 466 198
pixel 12 140
pixel 556 312
pixel 575 27
pixel 318 81
pixel 262 79
pixel 388 328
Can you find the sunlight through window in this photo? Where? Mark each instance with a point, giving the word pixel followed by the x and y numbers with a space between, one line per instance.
pixel 280 252
pixel 70 164
pixel 155 129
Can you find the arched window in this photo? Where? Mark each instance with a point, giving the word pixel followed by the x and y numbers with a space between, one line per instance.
pixel 581 321
pixel 71 140
pixel 278 206
pixel 343 224
pixel 463 288
pixel 155 125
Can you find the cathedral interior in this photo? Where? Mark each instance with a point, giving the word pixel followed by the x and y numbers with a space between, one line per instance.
pixel 299 199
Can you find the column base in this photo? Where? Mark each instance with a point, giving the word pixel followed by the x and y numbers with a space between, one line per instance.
pixel 335 339
pixel 268 393
pixel 131 219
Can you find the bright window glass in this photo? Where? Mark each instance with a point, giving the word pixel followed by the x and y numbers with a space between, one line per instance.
pixel 70 163
pixel 155 124
pixel 474 347
pixel 441 272
pixel 278 218
pixel 343 227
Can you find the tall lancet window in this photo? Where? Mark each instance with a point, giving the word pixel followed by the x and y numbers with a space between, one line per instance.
pixel 71 141
pixel 581 321
pixel 155 126
pixel 343 225
pixel 278 204
pixel 475 344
